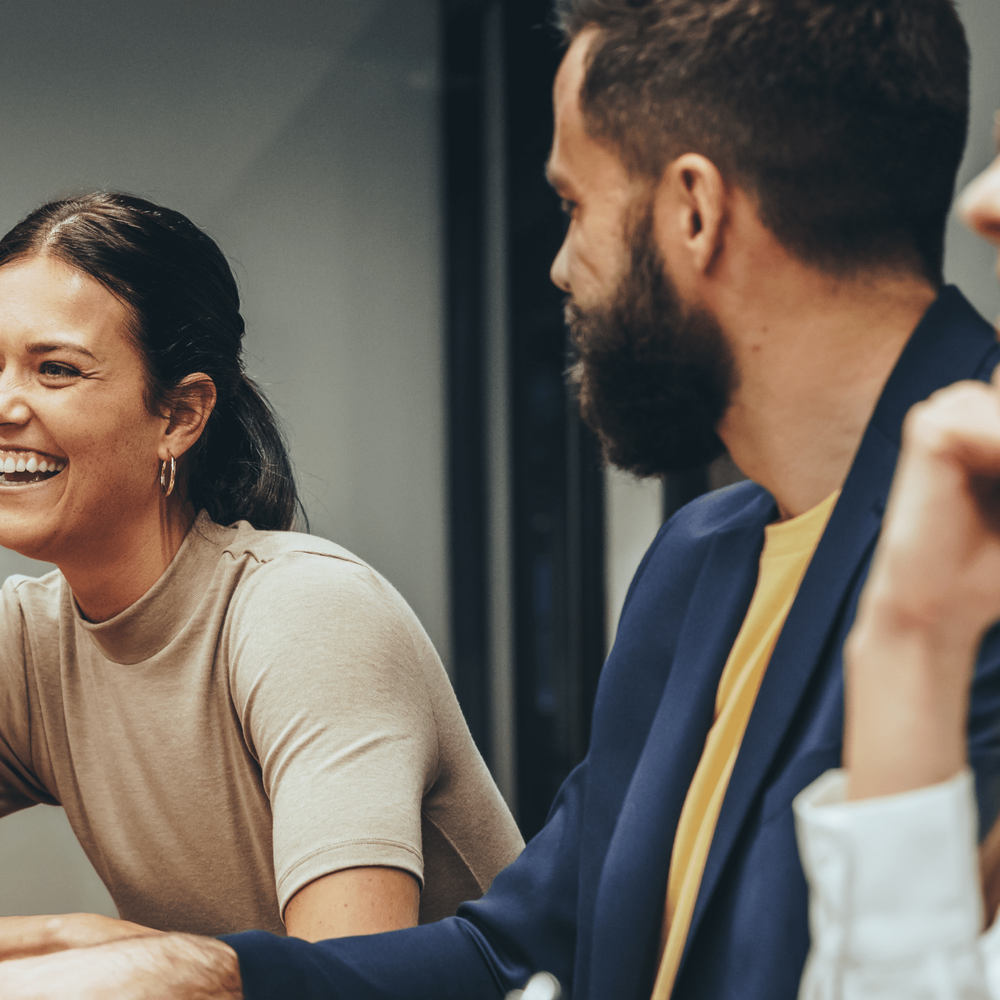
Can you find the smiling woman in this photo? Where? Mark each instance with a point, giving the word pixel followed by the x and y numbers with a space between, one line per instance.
pixel 72 406
pixel 246 726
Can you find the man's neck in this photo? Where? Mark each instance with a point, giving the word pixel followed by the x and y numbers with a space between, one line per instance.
pixel 813 355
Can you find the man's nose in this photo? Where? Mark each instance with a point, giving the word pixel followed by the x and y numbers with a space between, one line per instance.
pixel 559 272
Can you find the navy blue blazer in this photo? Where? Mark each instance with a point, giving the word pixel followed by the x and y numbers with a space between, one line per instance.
pixel 585 900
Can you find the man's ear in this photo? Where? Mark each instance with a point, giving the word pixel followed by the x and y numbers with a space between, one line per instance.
pixel 689 208
pixel 191 405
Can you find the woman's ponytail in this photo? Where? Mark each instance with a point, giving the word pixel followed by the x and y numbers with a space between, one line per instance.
pixel 242 470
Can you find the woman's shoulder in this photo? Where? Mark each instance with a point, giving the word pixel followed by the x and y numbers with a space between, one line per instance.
pixel 266 546
pixel 302 598
pixel 34 595
pixel 300 573
pixel 30 610
pixel 296 560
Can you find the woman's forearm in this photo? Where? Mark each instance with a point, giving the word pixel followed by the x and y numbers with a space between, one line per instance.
pixel 932 592
pixel 907 705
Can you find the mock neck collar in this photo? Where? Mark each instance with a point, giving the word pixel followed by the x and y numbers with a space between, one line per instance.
pixel 146 627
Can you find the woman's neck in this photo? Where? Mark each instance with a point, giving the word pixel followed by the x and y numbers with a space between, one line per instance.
pixel 128 562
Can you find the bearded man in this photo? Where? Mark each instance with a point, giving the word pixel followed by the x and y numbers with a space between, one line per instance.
pixel 757 192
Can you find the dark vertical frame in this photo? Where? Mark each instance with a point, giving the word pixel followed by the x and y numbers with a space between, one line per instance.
pixel 463 200
pixel 557 480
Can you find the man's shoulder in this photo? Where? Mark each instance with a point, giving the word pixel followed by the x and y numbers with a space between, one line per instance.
pixel 731 507
pixel 738 507
pixel 741 510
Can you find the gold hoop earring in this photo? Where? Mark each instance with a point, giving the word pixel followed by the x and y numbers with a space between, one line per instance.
pixel 168 485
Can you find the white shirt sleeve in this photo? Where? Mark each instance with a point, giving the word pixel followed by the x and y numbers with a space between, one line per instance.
pixel 895 906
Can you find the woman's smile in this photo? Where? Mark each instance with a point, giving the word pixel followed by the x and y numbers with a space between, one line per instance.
pixel 19 467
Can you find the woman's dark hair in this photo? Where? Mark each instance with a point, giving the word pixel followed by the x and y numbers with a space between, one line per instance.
pixel 845 118
pixel 185 318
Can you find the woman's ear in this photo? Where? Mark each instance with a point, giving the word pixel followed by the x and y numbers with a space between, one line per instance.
pixel 191 405
pixel 689 209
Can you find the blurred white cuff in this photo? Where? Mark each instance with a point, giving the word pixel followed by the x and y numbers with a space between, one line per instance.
pixel 895 905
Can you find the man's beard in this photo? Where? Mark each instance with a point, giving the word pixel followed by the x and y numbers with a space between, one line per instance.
pixel 654 377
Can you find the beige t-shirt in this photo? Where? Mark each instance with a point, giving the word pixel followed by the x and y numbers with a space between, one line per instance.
pixel 269 712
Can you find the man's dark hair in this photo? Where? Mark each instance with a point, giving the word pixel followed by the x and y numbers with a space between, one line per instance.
pixel 845 119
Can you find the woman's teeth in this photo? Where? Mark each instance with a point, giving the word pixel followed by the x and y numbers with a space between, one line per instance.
pixel 21 467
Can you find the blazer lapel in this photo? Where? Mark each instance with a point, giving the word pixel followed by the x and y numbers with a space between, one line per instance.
pixel 952 342
pixel 630 897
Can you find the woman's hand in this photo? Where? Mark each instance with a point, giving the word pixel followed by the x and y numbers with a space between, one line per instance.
pixel 933 591
pixel 22 937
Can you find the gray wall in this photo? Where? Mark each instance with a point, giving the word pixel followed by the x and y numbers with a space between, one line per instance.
pixel 304 137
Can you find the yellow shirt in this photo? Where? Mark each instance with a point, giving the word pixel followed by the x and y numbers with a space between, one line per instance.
pixel 788 547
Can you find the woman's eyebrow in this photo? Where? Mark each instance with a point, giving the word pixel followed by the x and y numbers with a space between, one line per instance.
pixel 59 345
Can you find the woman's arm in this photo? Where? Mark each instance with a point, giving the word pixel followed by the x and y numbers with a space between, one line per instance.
pixel 334 704
pixel 354 901
pixel 889 847
pixel 344 903
pixel 933 591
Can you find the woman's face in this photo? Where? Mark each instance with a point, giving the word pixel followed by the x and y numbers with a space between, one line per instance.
pixel 979 204
pixel 78 446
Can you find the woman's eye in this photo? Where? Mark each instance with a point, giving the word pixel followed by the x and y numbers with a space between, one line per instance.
pixel 58 370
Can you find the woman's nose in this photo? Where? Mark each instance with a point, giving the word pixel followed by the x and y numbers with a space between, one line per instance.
pixel 979 203
pixel 14 408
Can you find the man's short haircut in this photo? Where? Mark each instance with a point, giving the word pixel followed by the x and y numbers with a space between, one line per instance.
pixel 845 119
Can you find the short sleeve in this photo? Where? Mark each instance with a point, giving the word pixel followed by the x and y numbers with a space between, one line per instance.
pixel 330 693
pixel 18 786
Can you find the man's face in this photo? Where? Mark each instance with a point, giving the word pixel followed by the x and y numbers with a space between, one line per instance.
pixel 654 375
pixel 595 189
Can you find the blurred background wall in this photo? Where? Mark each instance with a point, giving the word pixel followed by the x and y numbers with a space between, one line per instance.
pixel 309 139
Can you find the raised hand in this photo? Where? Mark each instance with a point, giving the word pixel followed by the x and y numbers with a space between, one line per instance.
pixel 933 591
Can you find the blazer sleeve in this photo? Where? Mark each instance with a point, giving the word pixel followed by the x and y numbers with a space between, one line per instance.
pixel 524 924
